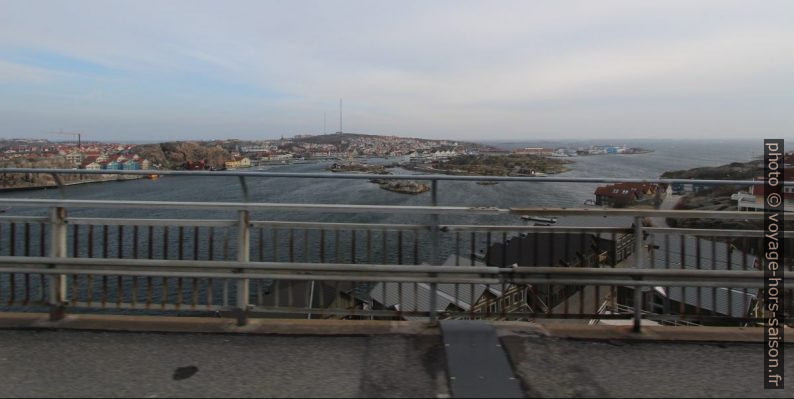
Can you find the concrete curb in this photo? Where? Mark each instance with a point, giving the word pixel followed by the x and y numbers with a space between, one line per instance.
pixel 213 325
pixel 648 333
pixel 330 327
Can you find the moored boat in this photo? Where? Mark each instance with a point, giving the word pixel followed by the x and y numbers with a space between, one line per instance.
pixel 539 219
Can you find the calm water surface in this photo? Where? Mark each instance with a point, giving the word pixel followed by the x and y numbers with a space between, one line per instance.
pixel 667 155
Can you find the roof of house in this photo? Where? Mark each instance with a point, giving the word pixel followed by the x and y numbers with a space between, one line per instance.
pixel 88 160
pixel 297 293
pixel 417 296
pixel 541 249
pixel 624 189
pixel 713 255
pixel 612 191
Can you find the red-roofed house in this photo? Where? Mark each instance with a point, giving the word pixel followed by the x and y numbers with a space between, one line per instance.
pixel 623 194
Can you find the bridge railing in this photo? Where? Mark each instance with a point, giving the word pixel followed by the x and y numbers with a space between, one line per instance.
pixel 251 268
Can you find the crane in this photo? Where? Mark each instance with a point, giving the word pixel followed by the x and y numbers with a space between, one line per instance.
pixel 78 134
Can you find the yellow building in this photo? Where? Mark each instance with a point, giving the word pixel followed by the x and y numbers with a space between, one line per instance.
pixel 237 163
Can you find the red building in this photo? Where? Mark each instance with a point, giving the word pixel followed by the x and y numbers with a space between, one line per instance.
pixel 195 165
pixel 623 194
pixel 788 191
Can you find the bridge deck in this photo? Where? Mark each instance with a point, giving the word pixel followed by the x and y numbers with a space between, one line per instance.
pixel 113 364
pixel 363 358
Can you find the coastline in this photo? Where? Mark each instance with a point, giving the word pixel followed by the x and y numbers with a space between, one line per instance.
pixel 402 187
pixel 464 173
pixel 55 186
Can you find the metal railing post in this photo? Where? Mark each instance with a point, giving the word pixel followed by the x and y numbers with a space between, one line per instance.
pixel 57 282
pixel 638 259
pixel 434 226
pixel 243 255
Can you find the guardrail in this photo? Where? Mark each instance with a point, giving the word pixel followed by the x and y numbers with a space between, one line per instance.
pixel 368 270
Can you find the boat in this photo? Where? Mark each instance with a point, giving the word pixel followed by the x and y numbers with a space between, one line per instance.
pixel 542 224
pixel 539 219
pixel 589 202
pixel 153 177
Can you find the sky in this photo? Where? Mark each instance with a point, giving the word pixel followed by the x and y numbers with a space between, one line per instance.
pixel 471 70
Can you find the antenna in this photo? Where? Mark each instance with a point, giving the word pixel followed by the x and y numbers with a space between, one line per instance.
pixel 340 115
pixel 78 134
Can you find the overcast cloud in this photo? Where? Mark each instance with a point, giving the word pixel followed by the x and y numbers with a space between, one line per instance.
pixel 532 70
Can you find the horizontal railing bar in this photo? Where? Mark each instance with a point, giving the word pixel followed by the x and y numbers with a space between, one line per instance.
pixel 263 310
pixel 313 225
pixel 718 282
pixel 256 311
pixel 232 222
pixel 332 175
pixel 384 268
pixel 383 226
pixel 23 219
pixel 638 212
pixel 398 273
pixel 658 282
pixel 242 206
pixel 265 275
pixel 548 229
pixel 201 307
pixel 153 222
pixel 338 226
pixel 286 266
pixel 710 232
pixel 325 225
pixel 347 208
pixel 639 273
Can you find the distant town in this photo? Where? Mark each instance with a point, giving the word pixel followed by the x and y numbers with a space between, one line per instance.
pixel 352 153
pixel 235 154
pixel 346 149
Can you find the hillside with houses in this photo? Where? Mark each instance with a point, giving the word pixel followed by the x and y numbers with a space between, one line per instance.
pixel 45 154
pixel 438 156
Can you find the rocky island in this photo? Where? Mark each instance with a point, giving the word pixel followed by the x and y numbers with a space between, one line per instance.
pixel 636 150
pixel 402 186
pixel 397 186
pixel 358 168
pixel 499 165
pixel 714 198
pixel 718 198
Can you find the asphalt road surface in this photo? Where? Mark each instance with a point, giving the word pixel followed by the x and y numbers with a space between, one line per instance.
pixel 550 367
pixel 92 364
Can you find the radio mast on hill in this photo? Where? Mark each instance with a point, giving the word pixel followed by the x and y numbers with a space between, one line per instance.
pixel 340 116
pixel 73 134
